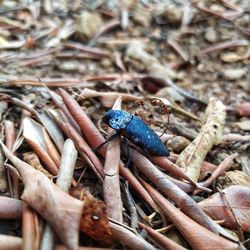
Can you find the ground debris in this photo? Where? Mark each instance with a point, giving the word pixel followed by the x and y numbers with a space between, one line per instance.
pixel 181 66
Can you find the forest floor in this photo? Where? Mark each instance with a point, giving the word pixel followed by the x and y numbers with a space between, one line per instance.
pixel 183 67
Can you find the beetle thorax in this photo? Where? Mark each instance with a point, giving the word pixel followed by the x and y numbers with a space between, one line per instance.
pixel 118 119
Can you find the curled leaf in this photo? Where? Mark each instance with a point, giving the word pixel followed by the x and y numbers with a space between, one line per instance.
pixel 193 155
pixel 39 140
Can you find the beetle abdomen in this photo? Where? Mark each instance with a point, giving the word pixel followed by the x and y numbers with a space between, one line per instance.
pixel 143 136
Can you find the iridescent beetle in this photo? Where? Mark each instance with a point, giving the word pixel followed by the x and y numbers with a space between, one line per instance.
pixel 137 131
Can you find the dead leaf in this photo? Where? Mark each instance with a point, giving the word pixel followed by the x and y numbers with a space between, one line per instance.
pixel 60 210
pixel 239 199
pixel 39 140
pixel 197 236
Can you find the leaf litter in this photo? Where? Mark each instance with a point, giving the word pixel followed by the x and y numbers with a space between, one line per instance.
pixel 180 66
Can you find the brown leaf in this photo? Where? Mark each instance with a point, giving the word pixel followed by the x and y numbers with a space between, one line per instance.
pixel 184 202
pixel 239 199
pixel 196 235
pixel 60 210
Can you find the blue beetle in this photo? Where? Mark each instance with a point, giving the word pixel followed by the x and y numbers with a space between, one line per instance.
pixel 136 130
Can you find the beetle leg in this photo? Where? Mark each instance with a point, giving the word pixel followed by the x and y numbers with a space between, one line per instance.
pixel 112 137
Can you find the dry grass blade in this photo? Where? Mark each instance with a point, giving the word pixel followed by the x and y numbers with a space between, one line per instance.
pixel 23 105
pixel 59 209
pixel 224 45
pixel 85 124
pixel 60 105
pixel 111 183
pixel 196 235
pixel 92 50
pixel 10 208
pixel 193 155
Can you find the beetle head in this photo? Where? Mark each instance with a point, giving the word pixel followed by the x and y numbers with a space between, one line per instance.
pixel 117 119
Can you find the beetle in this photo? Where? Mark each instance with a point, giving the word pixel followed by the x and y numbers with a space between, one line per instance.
pixel 136 131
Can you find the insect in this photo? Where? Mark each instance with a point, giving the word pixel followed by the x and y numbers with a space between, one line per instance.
pixel 136 130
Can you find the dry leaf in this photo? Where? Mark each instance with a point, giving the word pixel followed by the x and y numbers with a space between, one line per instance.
pixel 39 140
pixel 196 235
pixel 60 210
pixel 239 199
pixel 183 201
